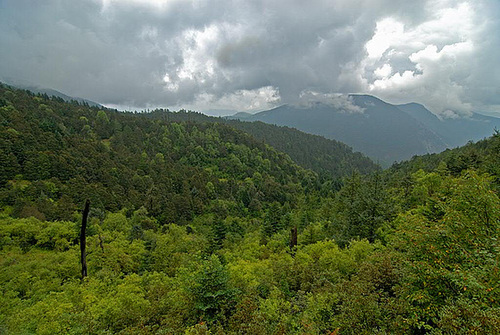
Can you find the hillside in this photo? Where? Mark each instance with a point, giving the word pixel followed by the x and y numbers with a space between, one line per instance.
pixel 329 158
pixel 483 156
pixel 55 154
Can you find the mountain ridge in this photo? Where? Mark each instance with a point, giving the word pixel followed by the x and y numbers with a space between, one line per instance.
pixel 383 131
pixel 380 130
pixel 52 92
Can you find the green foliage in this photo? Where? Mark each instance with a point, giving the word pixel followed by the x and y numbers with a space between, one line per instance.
pixel 189 230
pixel 452 257
pixel 213 298
pixel 362 208
pixel 174 248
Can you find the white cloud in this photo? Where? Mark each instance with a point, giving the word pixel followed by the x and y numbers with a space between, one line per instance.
pixel 384 71
pixel 248 100
pixel 155 4
pixel 437 53
pixel 197 50
pixel 389 32
pixel 340 102
pixel 442 53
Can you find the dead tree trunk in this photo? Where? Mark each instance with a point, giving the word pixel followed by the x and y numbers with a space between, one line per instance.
pixel 83 239
pixel 293 239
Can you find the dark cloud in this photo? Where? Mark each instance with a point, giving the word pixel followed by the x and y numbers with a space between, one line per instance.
pixel 250 54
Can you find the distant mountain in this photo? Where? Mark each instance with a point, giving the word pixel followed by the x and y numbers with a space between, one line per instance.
pixel 50 92
pixel 383 131
pixel 376 128
pixel 240 116
pixel 219 112
pixel 455 132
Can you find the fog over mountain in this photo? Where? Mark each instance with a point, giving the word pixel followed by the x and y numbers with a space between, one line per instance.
pixel 254 55
pixel 383 131
pixel 455 131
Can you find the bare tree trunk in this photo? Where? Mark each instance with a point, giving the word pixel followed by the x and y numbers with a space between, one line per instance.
pixel 101 242
pixel 293 239
pixel 83 239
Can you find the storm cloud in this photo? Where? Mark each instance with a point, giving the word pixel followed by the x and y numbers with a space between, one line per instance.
pixel 253 55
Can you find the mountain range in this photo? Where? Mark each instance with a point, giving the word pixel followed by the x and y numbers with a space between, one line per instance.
pixel 383 131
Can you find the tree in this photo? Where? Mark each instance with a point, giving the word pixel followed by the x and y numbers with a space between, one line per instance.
pixel 214 298
pixel 272 220
pixel 83 238
pixel 363 205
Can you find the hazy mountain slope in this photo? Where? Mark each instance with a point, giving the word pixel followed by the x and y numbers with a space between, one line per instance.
pixel 457 131
pixel 51 92
pixel 381 131
pixel 239 116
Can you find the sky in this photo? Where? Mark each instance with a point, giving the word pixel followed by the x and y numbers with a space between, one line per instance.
pixel 253 55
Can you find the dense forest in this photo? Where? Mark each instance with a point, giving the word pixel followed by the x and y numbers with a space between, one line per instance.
pixel 330 159
pixel 209 226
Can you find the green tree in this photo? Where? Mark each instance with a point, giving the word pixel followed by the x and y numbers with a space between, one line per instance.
pixel 363 205
pixel 214 298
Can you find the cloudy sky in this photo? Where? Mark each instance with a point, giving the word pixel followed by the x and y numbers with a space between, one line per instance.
pixel 256 54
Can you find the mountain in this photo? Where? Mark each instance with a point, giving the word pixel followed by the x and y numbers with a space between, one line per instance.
pixel 240 116
pixel 54 93
pixel 455 132
pixel 383 131
pixel 376 128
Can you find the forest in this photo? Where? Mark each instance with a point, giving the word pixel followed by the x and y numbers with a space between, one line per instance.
pixel 203 225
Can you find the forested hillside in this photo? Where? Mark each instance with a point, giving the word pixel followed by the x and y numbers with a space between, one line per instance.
pixel 67 153
pixel 483 155
pixel 192 231
pixel 329 158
